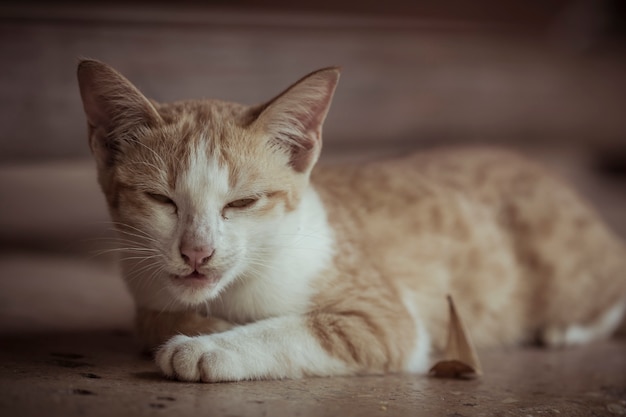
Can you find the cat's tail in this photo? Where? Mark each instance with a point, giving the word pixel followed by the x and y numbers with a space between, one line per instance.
pixel 604 312
pixel 620 332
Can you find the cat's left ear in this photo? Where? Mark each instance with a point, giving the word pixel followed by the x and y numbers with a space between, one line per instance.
pixel 113 106
pixel 294 119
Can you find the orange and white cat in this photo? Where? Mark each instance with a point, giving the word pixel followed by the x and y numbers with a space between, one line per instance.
pixel 245 263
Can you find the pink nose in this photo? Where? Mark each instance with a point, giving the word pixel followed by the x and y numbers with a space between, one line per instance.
pixel 196 256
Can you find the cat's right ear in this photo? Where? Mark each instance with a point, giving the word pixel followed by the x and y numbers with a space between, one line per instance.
pixel 114 108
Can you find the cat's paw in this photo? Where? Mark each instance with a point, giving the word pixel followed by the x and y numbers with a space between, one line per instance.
pixel 198 358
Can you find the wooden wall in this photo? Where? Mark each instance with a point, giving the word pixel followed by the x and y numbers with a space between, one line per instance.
pixel 412 77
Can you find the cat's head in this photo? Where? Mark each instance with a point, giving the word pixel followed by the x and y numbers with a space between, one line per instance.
pixel 197 189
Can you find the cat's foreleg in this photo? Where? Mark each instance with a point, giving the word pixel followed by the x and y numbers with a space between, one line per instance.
pixel 287 347
pixel 154 328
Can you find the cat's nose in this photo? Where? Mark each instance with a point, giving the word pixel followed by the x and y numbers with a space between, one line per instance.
pixel 196 256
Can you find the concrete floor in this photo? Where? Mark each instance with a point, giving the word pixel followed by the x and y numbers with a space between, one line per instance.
pixel 101 374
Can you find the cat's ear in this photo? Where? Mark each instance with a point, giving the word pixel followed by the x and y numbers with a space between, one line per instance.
pixel 114 108
pixel 294 119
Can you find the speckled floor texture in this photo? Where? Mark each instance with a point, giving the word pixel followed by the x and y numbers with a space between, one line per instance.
pixel 102 374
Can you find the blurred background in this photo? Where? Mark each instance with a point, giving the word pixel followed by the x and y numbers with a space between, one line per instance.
pixel 546 78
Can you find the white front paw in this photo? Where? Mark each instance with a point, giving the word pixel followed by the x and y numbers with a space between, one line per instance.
pixel 197 359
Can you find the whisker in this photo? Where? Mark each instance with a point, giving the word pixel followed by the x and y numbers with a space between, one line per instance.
pixel 137 232
pixel 139 236
pixel 127 249
pixel 141 258
pixel 138 268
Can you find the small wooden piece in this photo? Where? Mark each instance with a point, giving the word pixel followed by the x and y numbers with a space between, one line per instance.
pixel 460 359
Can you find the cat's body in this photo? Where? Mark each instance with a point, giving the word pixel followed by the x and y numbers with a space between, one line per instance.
pixel 271 275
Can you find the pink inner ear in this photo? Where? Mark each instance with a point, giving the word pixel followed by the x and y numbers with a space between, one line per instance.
pixel 88 93
pixel 296 116
pixel 96 114
pixel 109 98
pixel 302 156
pixel 112 105
pixel 94 79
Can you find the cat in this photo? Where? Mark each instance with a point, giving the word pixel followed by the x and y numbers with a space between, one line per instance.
pixel 246 263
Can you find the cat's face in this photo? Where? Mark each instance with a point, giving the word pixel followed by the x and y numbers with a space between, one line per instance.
pixel 207 210
pixel 198 190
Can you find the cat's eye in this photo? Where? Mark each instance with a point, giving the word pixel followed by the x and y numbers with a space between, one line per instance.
pixel 242 203
pixel 160 198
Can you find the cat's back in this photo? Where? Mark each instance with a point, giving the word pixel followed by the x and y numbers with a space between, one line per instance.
pixel 393 187
pixel 512 187
pixel 458 191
